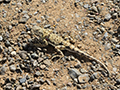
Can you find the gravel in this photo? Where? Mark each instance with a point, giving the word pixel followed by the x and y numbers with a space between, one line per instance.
pixel 92 26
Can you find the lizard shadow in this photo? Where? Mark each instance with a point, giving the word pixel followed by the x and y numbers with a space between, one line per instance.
pixel 52 51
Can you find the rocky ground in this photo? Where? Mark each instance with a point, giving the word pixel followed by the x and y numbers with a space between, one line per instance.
pixel 91 25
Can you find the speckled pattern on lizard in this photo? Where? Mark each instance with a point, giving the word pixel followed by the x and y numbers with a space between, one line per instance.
pixel 44 37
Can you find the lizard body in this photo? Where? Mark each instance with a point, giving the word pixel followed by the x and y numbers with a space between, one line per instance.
pixel 45 37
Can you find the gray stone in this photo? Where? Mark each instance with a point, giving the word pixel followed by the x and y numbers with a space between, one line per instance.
pixel 64 88
pixel 13 53
pixel 107 46
pixel 86 6
pixel 22 54
pixel 35 63
pixel 83 78
pixel 12 68
pixel 118 30
pixel 108 17
pixel 35 87
pixel 24 19
pixel 94 9
pixel 94 76
pixel 37 73
pixel 3 69
pixel 1 1
pixel 1 48
pixel 83 70
pixel 38 21
pixel 47 62
pixel 74 73
pixel 47 26
pixel 34 56
pixel 23 80
pixel 1 38
pixel 7 0
pixel 114 40
pixel 118 81
pixel 58 19
pixel 7 43
pixel 115 15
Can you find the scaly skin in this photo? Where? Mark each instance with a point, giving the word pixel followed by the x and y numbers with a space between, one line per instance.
pixel 44 37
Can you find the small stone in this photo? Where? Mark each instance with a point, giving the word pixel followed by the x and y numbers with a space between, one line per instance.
pixel 35 63
pixel 35 87
pixel 9 27
pixel 37 73
pixel 23 80
pixel 48 82
pixel 1 38
pixel 107 46
pixel 74 73
pixel 115 15
pixel 83 70
pixel 118 81
pixel 12 68
pixel 24 19
pixel 94 76
pixel 86 6
pixel 42 67
pixel 108 17
pixel 118 30
pixel 114 40
pixel 94 9
pixel 58 19
pixel 47 26
pixel 22 54
pixel 83 78
pixel 38 21
pixel 13 53
pixel 7 1
pixel 1 48
pixel 1 1
pixel 3 69
pixel 34 56
pixel 47 62
pixel 64 88
pixel 7 43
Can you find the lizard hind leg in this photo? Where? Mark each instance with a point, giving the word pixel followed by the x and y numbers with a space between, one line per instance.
pixel 59 48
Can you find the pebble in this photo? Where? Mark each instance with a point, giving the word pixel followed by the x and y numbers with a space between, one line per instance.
pixel 7 1
pixel 24 19
pixel 1 38
pixel 3 69
pixel 12 68
pixel 22 80
pixel 108 17
pixel 94 9
pixel 47 62
pixel 115 15
pixel 34 56
pixel 7 43
pixel 83 78
pixel 1 1
pixel 74 73
pixel 37 73
pixel 13 53
pixel 1 48
pixel 114 40
pixel 23 54
pixel 35 87
pixel 118 30
pixel 38 21
pixel 86 6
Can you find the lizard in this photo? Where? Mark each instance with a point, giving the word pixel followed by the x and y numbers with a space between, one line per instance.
pixel 44 37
